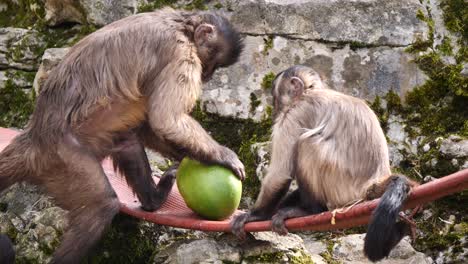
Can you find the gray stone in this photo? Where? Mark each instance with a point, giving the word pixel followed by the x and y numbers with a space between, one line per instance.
pixel 426 147
pixel 465 165
pixel 464 71
pixel 429 178
pixel 49 60
pixel 364 73
pixel 314 247
pixel 19 48
pixel 103 12
pixel 395 155
pixel 17 77
pixel 372 22
pixel 427 214
pixel 262 151
pixel 454 147
pixel 349 250
pixel 34 219
pixel 206 251
pixel 61 11
pixel 396 129
pixel 7 37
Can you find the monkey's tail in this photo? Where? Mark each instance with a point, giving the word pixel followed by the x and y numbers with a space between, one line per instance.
pixel 7 251
pixel 15 161
pixel 384 231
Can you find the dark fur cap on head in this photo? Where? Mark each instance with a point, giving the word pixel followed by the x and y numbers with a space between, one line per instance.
pixel 229 33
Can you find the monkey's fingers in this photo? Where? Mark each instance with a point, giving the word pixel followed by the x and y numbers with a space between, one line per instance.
pixel 230 160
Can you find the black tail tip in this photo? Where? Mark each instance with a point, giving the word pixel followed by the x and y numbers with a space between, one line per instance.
pixel 7 251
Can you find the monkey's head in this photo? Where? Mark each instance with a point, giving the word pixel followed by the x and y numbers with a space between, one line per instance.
pixel 218 43
pixel 290 84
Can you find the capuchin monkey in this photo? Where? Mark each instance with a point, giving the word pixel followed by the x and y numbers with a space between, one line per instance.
pixel 334 147
pixel 129 85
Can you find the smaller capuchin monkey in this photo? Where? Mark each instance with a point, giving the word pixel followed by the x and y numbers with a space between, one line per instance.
pixel 334 147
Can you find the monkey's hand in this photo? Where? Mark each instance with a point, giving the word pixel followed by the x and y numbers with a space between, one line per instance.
pixel 229 159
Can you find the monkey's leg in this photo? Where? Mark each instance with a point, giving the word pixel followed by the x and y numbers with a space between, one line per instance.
pixel 294 205
pixel 273 190
pixel 131 159
pixel 80 186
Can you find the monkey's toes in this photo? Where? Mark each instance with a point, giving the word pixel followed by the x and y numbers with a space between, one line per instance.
pixel 237 226
pixel 278 226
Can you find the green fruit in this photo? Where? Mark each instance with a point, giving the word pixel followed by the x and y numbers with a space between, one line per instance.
pixel 212 191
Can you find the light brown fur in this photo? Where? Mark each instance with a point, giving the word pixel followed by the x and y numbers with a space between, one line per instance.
pixel 128 85
pixel 333 145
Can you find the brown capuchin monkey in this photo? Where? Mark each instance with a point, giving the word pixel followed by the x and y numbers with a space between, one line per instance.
pixel 334 147
pixel 129 85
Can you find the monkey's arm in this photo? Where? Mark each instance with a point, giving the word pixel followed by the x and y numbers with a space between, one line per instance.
pixel 277 181
pixel 169 118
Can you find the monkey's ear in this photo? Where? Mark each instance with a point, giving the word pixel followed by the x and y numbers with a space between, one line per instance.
pixel 203 32
pixel 297 85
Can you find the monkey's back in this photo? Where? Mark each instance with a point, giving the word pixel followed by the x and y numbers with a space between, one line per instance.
pixel 346 150
pixel 102 76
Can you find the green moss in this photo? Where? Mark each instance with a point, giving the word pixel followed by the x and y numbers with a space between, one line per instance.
pixel 126 242
pixel 300 257
pixel 328 255
pixel 3 207
pixel 218 5
pixel 49 249
pixel 197 4
pixel 445 47
pixel 155 4
pixel 381 112
pixel 456 16
pixel 355 45
pixel 267 80
pixel 440 103
pixel 254 102
pixel 268 44
pixel 22 13
pixel 271 257
pixel 420 44
pixel 433 239
pixel 438 107
pixel 16 106
pixel 239 135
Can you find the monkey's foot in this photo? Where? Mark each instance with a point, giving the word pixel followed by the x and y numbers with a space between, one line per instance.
pixel 237 225
pixel 278 226
pixel 160 193
pixel 412 225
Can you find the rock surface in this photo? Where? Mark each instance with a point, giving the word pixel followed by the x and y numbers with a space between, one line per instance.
pixel 103 12
pixel 18 48
pixel 373 22
pixel 32 221
pixel 62 11
pixel 454 147
pixel 96 12
pixel 363 72
pixel 348 249
pixel 49 60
